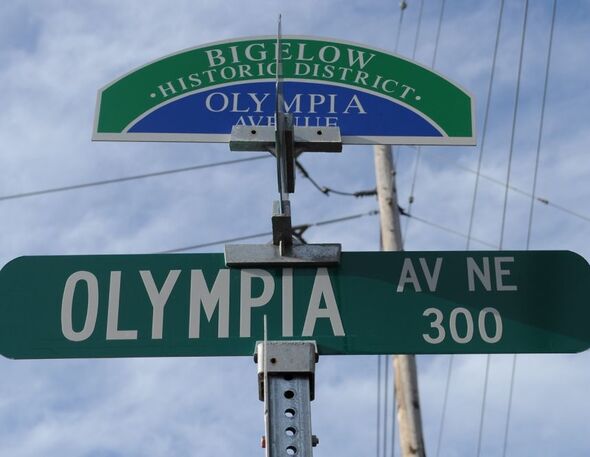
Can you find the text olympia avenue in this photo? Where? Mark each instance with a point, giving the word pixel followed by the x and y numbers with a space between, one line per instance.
pixel 372 303
pixel 200 93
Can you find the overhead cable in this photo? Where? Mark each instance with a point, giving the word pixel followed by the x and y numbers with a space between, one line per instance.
pixel 514 116
pixel 543 200
pixel 419 149
pixel 328 190
pixel 129 178
pixel 321 223
pixel 473 203
pixel 258 235
pixel 541 125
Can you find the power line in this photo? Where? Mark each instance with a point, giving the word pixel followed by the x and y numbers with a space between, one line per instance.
pixel 444 407
pixel 450 230
pixel 483 403
pixel 541 124
pixel 128 178
pixel 474 201
pixel 378 446
pixel 385 405
pixel 366 193
pixel 258 235
pixel 419 149
pixel 485 123
pixel 543 200
pixel 418 27
pixel 538 152
pixel 402 6
pixel 328 190
pixel 324 190
pixel 514 116
pixel 302 227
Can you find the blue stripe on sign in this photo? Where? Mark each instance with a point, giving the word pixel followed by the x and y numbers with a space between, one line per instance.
pixel 318 105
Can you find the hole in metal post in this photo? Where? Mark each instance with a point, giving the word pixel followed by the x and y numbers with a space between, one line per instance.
pixel 290 413
pixel 319 132
pixel 291 450
pixel 273 360
pixel 290 431
pixel 253 132
pixel 289 394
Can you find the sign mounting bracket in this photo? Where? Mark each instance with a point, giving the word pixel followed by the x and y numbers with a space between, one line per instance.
pixel 286 142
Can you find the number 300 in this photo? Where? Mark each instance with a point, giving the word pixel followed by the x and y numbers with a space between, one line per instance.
pixel 440 333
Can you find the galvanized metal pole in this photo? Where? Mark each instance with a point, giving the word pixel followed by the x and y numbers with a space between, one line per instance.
pixel 406 376
pixel 286 384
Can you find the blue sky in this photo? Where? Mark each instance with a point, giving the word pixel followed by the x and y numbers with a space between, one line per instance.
pixel 55 55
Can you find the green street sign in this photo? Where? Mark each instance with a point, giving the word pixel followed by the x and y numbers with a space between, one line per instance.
pixel 373 303
pixel 199 94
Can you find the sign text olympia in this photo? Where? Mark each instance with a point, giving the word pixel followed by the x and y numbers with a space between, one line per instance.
pixel 199 94
pixel 373 303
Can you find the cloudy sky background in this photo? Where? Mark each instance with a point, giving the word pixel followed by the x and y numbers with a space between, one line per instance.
pixel 55 54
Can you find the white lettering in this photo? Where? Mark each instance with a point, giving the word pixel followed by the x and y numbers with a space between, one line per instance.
pixel 228 72
pixel 333 50
pixel 316 99
pixel 360 57
pixel 287 297
pixel 260 56
pixel 302 69
pixel 407 89
pixel 431 278
pixel 200 294
pixel 215 57
pixel 247 302
pixel 322 287
pixel 355 103
pixel 167 89
pixel 484 276
pixel 297 101
pixel 235 102
pixel 234 54
pixel 500 286
pixel 158 298
pixel 113 332
pixel 258 101
pixel 301 53
pixel 408 275
pixel 224 102
pixel 386 82
pixel 67 303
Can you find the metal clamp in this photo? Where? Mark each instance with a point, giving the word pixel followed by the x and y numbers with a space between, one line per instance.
pixel 284 250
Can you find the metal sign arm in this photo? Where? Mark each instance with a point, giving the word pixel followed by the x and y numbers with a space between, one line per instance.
pixel 286 142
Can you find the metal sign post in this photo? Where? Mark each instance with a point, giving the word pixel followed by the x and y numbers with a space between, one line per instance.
pixel 286 368
pixel 286 378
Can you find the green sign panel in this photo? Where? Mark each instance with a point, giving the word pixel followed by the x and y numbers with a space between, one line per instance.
pixel 198 94
pixel 373 303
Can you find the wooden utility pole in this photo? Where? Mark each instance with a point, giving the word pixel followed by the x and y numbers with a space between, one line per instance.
pixel 406 376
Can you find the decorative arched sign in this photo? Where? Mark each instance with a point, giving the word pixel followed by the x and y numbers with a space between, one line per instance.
pixel 199 94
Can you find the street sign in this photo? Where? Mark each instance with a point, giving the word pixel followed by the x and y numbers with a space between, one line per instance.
pixel 199 94
pixel 373 303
